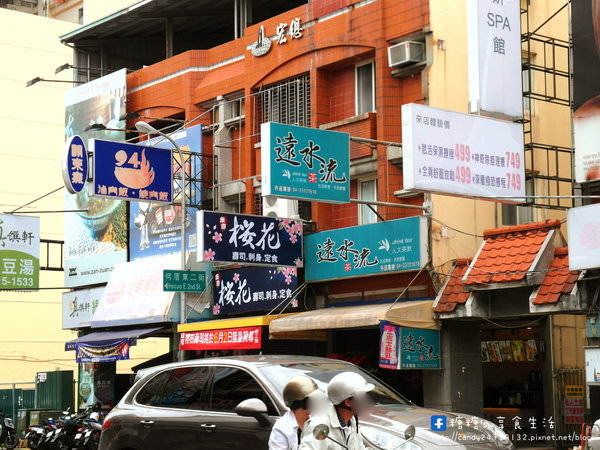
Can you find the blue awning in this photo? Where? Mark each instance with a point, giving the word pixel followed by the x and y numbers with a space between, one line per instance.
pixel 107 338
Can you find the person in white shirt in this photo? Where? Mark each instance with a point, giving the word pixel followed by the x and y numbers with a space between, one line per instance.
pixel 301 395
pixel 347 392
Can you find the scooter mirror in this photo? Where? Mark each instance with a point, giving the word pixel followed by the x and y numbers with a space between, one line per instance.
pixel 409 432
pixel 321 431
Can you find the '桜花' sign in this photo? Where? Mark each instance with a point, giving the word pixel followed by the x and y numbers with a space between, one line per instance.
pixel 19 252
pixel 495 56
pixel 408 348
pixel 249 239
pixel 75 165
pixel 374 249
pixel 132 172
pixel 227 339
pixel 462 154
pixel 253 289
pixel 305 163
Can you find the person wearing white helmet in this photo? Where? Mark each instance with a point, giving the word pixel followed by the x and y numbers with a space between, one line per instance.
pixel 347 392
pixel 302 395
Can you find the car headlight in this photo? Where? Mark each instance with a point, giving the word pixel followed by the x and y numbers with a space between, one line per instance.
pixel 497 433
pixel 596 430
pixel 383 440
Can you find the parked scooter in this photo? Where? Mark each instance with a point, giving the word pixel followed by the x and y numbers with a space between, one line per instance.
pixel 88 436
pixel 8 432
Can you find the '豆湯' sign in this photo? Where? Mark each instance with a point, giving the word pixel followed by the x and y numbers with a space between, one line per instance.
pixel 19 252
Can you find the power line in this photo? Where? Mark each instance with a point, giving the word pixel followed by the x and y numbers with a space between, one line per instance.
pixel 36 199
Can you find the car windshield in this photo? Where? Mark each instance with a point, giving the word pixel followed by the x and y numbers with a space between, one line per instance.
pixel 323 372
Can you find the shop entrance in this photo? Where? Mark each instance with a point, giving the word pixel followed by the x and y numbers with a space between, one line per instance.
pixel 361 347
pixel 516 366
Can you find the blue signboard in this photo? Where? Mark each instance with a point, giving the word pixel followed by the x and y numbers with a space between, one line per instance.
pixel 155 228
pixel 253 289
pixel 107 352
pixel 75 164
pixel 374 249
pixel 305 163
pixel 245 239
pixel 408 348
pixel 132 172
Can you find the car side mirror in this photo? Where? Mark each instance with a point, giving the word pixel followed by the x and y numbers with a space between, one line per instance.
pixel 253 407
pixel 409 432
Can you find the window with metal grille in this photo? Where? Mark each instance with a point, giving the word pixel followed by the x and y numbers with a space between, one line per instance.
pixel 287 101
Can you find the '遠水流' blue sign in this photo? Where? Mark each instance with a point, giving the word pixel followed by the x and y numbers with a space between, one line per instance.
pixel 374 249
pixel 305 163
pixel 132 172
pixel 246 239
pixel 254 289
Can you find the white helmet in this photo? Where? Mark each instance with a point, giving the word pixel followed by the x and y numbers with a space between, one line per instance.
pixel 345 385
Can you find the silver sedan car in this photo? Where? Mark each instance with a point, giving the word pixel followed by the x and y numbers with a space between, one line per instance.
pixel 205 404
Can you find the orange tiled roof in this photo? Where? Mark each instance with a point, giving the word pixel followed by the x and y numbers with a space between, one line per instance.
pixel 559 279
pixel 454 293
pixel 507 253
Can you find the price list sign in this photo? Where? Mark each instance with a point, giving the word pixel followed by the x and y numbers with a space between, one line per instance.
pixel 462 154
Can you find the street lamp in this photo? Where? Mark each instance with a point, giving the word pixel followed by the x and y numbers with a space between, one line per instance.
pixel 144 127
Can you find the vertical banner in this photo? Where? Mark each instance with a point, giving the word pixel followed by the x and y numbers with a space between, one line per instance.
pixel 19 252
pixel 584 237
pixel 408 348
pixel 585 22
pixel 96 235
pixel 154 228
pixel 494 46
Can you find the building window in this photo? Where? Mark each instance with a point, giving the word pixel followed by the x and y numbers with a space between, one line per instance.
pixel 367 190
pixel 80 16
pixel 365 88
pixel 285 102
pixel 518 215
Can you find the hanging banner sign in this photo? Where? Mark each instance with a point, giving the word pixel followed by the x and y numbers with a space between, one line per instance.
pixel 19 252
pixel 75 165
pixel 408 348
pixel 462 154
pixel 494 46
pixel 132 172
pixel 228 339
pixel 305 163
pixel 116 351
pixel 253 289
pixel 585 29
pixel 374 249
pixel 95 235
pixel 584 237
pixel 155 228
pixel 246 239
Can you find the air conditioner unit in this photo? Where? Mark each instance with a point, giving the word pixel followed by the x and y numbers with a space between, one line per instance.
pixel 406 53
pixel 279 207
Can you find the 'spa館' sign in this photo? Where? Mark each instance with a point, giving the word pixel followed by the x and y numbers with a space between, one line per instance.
pixel 225 339
pixel 245 239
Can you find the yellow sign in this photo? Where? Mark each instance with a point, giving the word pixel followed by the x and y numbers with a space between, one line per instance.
pixel 574 391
